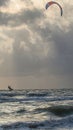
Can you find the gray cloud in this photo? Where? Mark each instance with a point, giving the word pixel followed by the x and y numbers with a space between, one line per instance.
pixel 26 16
pixel 31 62
pixel 60 63
pixel 3 2
pixel 64 47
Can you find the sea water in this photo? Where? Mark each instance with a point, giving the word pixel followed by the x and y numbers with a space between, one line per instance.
pixel 36 109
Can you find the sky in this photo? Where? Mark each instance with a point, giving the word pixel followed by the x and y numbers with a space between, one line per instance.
pixel 36 45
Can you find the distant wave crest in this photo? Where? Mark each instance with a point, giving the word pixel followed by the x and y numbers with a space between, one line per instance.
pixel 61 110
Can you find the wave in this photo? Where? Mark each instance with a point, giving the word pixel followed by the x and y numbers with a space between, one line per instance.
pixel 12 93
pixel 27 99
pixel 37 94
pixel 21 111
pixel 47 124
pixel 60 110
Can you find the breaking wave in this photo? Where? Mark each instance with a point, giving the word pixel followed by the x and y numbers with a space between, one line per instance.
pixel 47 124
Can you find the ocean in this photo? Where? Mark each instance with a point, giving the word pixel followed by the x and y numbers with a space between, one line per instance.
pixel 36 109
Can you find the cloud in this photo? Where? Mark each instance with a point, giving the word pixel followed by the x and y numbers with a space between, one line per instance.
pixel 26 17
pixel 3 2
pixel 6 43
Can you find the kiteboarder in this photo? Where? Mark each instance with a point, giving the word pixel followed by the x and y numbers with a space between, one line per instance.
pixel 10 89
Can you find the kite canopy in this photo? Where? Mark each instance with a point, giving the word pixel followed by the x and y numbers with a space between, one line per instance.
pixel 51 3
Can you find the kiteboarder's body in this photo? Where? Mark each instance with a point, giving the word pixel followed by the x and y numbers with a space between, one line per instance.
pixel 10 89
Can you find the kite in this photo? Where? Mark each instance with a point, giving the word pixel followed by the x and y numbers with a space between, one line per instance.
pixel 51 3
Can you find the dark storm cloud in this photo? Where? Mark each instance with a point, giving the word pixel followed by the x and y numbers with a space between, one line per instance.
pixel 64 48
pixel 23 62
pixel 4 2
pixel 26 62
pixel 26 16
pixel 62 63
pixel 30 63
pixel 4 18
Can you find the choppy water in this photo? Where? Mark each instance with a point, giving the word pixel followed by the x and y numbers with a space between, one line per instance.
pixel 36 109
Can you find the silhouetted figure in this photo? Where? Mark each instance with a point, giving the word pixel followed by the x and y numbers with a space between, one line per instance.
pixel 10 89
